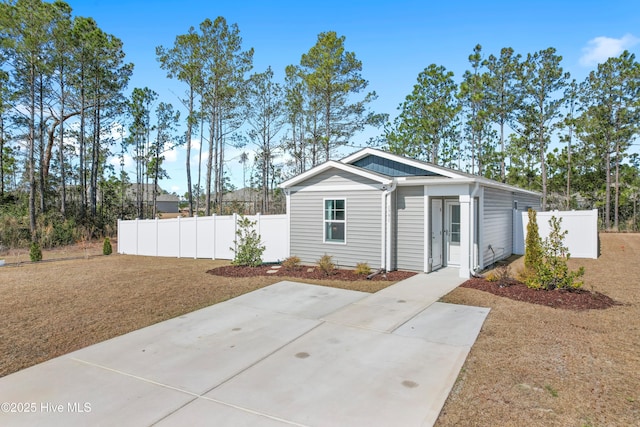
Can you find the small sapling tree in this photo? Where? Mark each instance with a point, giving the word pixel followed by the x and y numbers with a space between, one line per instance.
pixel 248 247
pixel 552 271
pixel 106 247
pixel 35 253
pixel 533 251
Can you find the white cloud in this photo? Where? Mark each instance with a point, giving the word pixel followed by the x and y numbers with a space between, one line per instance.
pixel 170 156
pixel 128 162
pixel 175 189
pixel 599 49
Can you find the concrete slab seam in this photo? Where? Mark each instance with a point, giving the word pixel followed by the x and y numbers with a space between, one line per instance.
pixel 410 318
pixel 262 414
pixel 194 395
pixel 260 360
pixel 106 368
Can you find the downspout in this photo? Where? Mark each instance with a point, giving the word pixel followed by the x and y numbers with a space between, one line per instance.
pixel 473 232
pixel 387 224
pixel 287 194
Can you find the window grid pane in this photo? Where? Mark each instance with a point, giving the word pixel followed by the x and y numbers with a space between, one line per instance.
pixel 334 219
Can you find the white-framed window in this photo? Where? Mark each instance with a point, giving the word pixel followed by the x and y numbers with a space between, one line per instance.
pixel 335 220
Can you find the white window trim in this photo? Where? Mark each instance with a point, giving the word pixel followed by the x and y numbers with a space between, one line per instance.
pixel 324 221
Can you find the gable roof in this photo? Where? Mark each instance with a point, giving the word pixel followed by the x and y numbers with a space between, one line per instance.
pixel 332 164
pixel 429 168
pixel 365 163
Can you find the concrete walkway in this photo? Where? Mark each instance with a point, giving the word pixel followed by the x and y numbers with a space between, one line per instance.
pixel 287 354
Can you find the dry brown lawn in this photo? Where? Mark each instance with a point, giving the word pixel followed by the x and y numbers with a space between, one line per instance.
pixel 539 366
pixel 77 297
pixel 531 365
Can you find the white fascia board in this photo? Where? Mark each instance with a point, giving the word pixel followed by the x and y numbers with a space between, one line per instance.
pixel 333 188
pixel 400 159
pixel 507 187
pixel 331 164
pixel 402 181
pixel 433 181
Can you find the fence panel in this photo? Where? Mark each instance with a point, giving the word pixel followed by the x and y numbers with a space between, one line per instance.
pixel 581 226
pixel 188 237
pixel 127 237
pixel 169 237
pixel 149 244
pixel 223 236
pixel 274 233
pixel 203 237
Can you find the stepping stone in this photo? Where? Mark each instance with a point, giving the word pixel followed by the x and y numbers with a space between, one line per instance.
pixel 310 270
pixel 276 267
pixel 272 271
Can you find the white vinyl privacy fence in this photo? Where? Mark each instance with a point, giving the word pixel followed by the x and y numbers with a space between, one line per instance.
pixel 581 227
pixel 201 237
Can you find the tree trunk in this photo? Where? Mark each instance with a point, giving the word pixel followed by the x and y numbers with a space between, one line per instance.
pixel 569 168
pixel 503 169
pixel 200 158
pixel 41 183
pixel 1 157
pixel 616 203
pixel 188 142
pixel 95 160
pixel 32 141
pixel 82 146
pixel 212 141
pixel 607 206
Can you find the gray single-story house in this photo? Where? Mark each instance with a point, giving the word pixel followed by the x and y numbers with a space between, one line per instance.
pixel 393 212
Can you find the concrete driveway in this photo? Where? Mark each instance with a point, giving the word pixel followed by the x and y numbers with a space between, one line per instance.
pixel 287 354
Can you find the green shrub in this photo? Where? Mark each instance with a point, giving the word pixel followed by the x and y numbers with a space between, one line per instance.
pixel 500 275
pixel 106 247
pixel 248 248
pixel 291 263
pixel 552 272
pixel 533 250
pixel 362 269
pixel 326 265
pixel 35 253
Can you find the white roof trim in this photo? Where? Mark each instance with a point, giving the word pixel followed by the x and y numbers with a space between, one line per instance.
pixel 331 164
pixel 464 180
pixel 411 162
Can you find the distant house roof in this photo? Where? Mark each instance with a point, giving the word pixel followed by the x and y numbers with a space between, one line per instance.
pixel 242 195
pixel 147 189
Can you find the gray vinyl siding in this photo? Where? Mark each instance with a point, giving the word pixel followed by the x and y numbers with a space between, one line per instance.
pixel 526 200
pixel 409 238
pixel 337 177
pixel 497 225
pixel 363 228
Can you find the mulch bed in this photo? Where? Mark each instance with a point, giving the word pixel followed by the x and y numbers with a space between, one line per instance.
pixel 569 300
pixel 305 273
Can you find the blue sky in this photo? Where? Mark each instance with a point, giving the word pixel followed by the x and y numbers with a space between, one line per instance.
pixel 394 40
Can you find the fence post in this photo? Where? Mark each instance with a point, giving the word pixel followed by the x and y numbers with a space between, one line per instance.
pixel 258 223
pixel 235 230
pixel 157 236
pixel 196 237
pixel 213 247
pixel 179 238
pixel 137 235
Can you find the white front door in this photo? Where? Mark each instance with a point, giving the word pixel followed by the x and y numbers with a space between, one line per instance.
pixel 452 231
pixel 436 234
